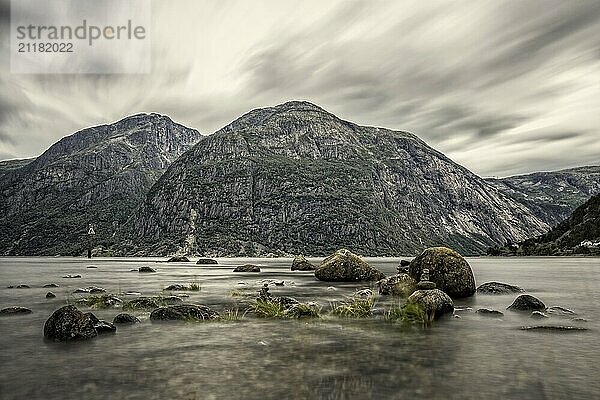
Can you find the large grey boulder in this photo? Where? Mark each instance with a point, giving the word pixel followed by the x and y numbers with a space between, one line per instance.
pixel 345 266
pixel 433 301
pixel 68 324
pixel 450 272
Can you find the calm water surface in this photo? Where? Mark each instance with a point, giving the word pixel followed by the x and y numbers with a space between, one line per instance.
pixel 468 358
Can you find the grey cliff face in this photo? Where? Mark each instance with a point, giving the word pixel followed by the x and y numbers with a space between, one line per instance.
pixel 98 175
pixel 297 179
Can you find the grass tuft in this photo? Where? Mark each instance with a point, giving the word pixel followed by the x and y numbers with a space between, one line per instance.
pixel 354 307
pixel 409 314
pixel 268 308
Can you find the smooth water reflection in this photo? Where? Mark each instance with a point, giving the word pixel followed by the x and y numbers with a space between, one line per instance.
pixel 468 358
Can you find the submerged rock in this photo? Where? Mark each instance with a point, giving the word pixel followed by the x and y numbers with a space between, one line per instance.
pixel 125 318
pixel 526 302
pixel 247 268
pixel 447 269
pixel 561 311
pixel 554 328
pixel 175 287
pixel 23 287
pixel 183 312
pixel 538 315
pixel 68 324
pixel 71 276
pixel 146 269
pixel 301 264
pixel 50 295
pixel 345 266
pixel 397 285
pixel 364 293
pixel 178 259
pixel 50 285
pixel 90 289
pixel 206 261
pixel 491 313
pixel 434 302
pixel 498 288
pixel 15 310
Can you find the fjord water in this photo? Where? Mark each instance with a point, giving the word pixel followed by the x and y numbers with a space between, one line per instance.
pixel 472 357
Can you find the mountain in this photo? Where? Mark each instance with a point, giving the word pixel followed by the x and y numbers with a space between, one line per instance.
pixel 9 165
pixel 297 179
pixel 552 196
pixel 578 234
pixel 98 175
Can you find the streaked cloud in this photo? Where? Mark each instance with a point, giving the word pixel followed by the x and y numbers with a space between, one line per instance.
pixel 500 87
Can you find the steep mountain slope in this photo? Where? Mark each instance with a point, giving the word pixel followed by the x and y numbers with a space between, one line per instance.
pixel 98 175
pixel 297 179
pixel 552 196
pixel 9 165
pixel 578 234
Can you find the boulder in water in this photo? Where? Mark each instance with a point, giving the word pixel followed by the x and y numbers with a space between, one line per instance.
pixel 206 261
pixel 498 288
pixel 526 302
pixel 68 324
pixel 301 264
pixel 15 310
pixel 50 295
pixel 183 312
pixel 489 312
pixel 178 259
pixel 247 268
pixel 447 269
pixel 125 318
pixel 50 285
pixel 146 269
pixel 22 286
pixel 176 287
pixel 72 276
pixel 434 302
pixel 402 285
pixel 345 266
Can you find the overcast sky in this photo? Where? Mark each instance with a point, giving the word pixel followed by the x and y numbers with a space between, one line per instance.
pixel 501 87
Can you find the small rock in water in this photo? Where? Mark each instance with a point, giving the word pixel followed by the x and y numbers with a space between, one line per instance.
pixel 15 310
pixel 498 288
pixel 50 295
pixel 133 294
pixel 558 310
pixel 278 283
pixel 247 268
pixel 176 286
pixel 146 269
pixel 301 264
pixel 555 328
pixel 72 276
pixel 526 302
pixel 206 261
pixel 457 316
pixel 491 313
pixel 579 319
pixel 178 259
pixel 125 318
pixel 23 287
pixel 91 266
pixel 90 289
pixel 104 327
pixel 50 285
pixel 538 315
pixel 434 302
pixel 331 288
pixel 241 283
pixel 397 285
